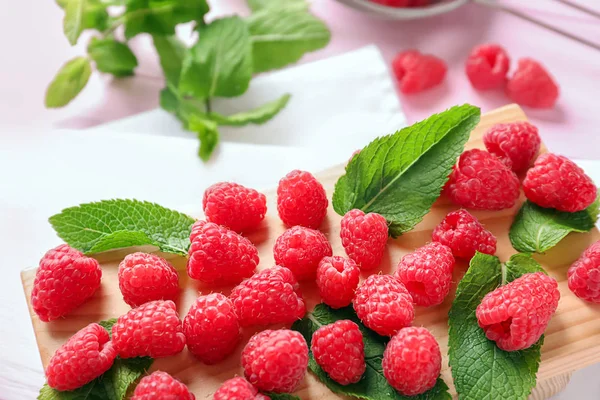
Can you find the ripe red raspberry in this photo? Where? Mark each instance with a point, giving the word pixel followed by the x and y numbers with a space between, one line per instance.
pixel 152 329
pixel 271 296
pixel 417 72
pixel 487 66
pixel 482 182
pixel 516 144
pixel 211 328
pixel 86 355
pixel 301 200
pixel 364 237
pixel 337 279
pixel 64 280
pixel 557 182
pixel 145 277
pixel 464 234
pixel 383 304
pixel 584 275
pixel 427 273
pixel 237 389
pixel 338 348
pixel 300 249
pixel 160 385
pixel 412 361
pixel 220 256
pixel 531 85
pixel 234 206
pixel 516 315
pixel 275 361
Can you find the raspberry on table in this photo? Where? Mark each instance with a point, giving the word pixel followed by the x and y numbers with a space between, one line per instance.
pixel 482 182
pixel 338 348
pixel 237 388
pixel 383 304
pixel 211 328
pixel 464 234
pixel 531 85
pixel 427 273
pixel 64 280
pixel 416 72
pixel 584 275
pixel 556 182
pixel 337 279
pixel 516 315
pixel 487 66
pixel 152 329
pixel 160 385
pixel 301 200
pixel 87 354
pixel 234 206
pixel 300 249
pixel 412 361
pixel 271 296
pixel 516 144
pixel 364 237
pixel 145 277
pixel 275 360
pixel 220 256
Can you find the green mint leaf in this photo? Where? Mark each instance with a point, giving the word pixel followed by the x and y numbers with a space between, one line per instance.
pixel 94 15
pixel 91 391
pixel 68 82
pixel 161 17
pixel 207 134
pixel 220 63
pixel 123 374
pixel 282 35
pixel 537 229
pixel 112 57
pixel 479 368
pixel 73 21
pixel 373 385
pixel 401 175
pixel 169 101
pixel 112 224
pixel 171 52
pixel 257 5
pixel 259 115
pixel 108 324
pixel 282 396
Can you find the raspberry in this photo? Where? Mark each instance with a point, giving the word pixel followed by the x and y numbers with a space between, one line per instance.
pixel 516 144
pixel 211 328
pixel 86 355
pixel 427 273
pixel 531 85
pixel 383 304
pixel 557 182
pixel 237 389
pixel 152 329
pixel 146 277
pixel 464 234
pixel 364 237
pixel 584 275
pixel 234 206
pixel 301 200
pixel 337 279
pixel 160 385
pixel 487 66
pixel 275 361
pixel 412 361
pixel 220 256
pixel 393 3
pixel 482 182
pixel 338 348
pixel 300 249
pixel 417 72
pixel 64 280
pixel 516 315
pixel 271 296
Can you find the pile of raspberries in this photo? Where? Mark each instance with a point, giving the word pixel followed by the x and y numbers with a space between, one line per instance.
pixel 514 315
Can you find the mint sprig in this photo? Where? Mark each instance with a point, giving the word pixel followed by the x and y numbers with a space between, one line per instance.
pixel 400 176
pixel 373 385
pixel 479 368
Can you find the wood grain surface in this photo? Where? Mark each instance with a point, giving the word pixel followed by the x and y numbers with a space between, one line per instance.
pixel 572 339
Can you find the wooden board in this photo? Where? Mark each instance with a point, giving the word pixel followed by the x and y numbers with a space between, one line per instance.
pixel 572 339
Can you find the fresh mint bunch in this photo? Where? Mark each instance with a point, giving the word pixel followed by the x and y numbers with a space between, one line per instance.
pixel 227 53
